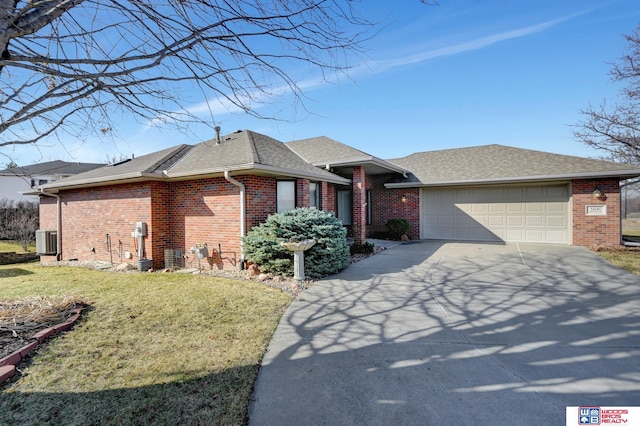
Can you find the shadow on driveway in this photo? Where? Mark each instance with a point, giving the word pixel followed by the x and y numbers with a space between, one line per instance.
pixel 436 333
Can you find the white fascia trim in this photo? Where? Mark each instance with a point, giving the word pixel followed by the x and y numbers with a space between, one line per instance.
pixel 363 161
pixel 249 167
pixel 102 181
pixel 302 174
pixel 210 172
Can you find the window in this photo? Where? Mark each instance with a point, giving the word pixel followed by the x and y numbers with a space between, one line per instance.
pixel 314 195
pixel 42 181
pixel 343 199
pixel 285 195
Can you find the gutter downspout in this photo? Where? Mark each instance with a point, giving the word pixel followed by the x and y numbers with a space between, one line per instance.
pixel 58 224
pixel 243 213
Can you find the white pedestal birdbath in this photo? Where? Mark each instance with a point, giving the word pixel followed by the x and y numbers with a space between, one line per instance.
pixel 298 248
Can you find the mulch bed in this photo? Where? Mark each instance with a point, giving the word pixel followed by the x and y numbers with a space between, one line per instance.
pixel 21 319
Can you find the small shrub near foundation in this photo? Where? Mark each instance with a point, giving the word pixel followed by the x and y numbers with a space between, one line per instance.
pixel 398 227
pixel 365 248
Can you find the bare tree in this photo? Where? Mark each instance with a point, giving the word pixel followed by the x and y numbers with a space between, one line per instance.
pixel 25 223
pixel 19 221
pixel 616 130
pixel 74 66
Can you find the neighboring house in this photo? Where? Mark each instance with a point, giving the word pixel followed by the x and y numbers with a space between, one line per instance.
pixel 216 191
pixel 16 180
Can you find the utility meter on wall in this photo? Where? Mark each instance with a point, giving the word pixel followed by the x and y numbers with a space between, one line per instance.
pixel 140 231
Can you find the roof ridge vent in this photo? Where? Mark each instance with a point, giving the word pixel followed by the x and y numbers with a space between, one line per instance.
pixel 217 129
pixel 126 160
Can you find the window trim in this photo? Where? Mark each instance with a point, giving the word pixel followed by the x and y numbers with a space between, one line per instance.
pixel 350 192
pixel 317 197
pixel 278 190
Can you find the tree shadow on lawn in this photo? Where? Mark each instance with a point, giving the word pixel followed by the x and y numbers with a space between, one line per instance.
pixel 13 272
pixel 214 399
pixel 479 339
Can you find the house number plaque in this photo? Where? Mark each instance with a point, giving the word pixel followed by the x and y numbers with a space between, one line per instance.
pixel 596 210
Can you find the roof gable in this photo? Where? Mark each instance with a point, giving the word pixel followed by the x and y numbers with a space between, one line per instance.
pixel 247 150
pixel 326 152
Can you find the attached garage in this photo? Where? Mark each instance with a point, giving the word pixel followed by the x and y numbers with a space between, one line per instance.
pixel 525 213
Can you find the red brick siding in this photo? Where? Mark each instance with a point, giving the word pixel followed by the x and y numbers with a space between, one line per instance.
pixel 48 213
pixel 261 198
pixel 178 215
pixel 89 214
pixel 205 211
pixel 302 192
pixel 387 204
pixel 328 197
pixel 596 230
pixel 359 185
pixel 160 225
pixel 208 211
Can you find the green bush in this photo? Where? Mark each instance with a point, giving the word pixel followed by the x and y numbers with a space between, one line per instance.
pixel 365 248
pixel 329 255
pixel 398 227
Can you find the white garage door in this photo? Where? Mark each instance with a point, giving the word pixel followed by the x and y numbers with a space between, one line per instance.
pixel 537 214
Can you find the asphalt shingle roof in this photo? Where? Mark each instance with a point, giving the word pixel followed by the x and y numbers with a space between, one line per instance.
pixel 145 165
pixel 56 167
pixel 321 151
pixel 239 151
pixel 247 150
pixel 499 163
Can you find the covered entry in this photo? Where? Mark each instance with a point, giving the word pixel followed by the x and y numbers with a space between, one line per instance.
pixel 535 213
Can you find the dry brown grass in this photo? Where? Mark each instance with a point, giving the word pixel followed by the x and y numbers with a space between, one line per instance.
pixel 626 258
pixel 30 314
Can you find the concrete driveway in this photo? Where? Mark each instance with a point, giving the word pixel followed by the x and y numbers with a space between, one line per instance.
pixel 439 333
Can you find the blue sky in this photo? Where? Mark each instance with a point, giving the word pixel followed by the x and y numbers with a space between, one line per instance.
pixel 464 73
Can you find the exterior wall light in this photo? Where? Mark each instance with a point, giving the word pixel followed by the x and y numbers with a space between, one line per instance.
pixel 597 193
pixel 404 198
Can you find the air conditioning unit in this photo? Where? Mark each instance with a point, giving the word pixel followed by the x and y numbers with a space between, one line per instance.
pixel 46 242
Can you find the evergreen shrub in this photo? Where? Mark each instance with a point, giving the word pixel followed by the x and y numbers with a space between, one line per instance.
pixel 398 227
pixel 329 255
pixel 364 248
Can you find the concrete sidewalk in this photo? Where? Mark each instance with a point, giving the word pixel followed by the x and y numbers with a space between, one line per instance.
pixel 436 333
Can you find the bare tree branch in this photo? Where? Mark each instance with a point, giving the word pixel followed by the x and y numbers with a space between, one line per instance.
pixel 616 130
pixel 68 66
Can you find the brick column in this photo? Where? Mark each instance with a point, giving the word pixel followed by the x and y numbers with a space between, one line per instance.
pixel 302 193
pixel 328 197
pixel 596 229
pixel 324 197
pixel 359 205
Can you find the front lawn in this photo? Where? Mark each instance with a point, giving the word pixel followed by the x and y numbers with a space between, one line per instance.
pixel 14 246
pixel 151 349
pixel 626 258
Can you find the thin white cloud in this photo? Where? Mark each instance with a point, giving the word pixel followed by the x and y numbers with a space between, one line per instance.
pixel 376 67
pixel 221 106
